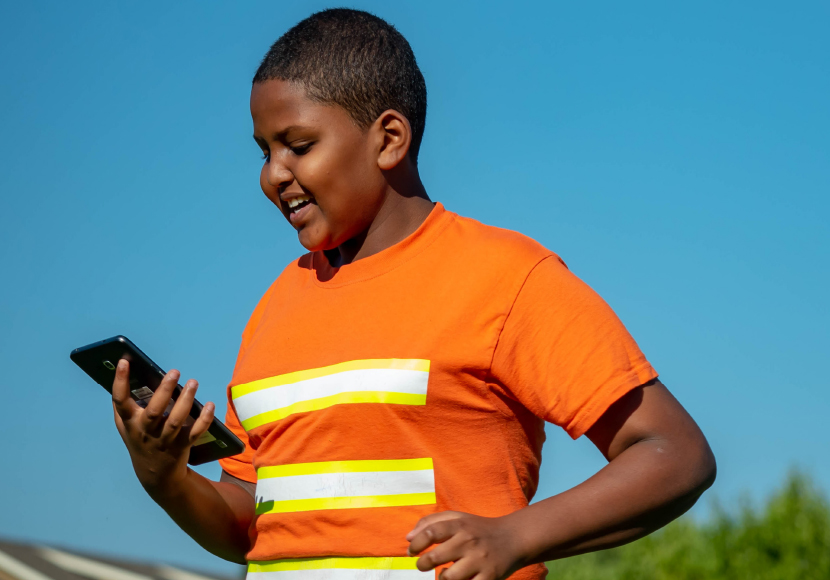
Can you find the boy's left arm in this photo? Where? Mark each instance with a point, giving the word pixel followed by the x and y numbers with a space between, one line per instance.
pixel 659 464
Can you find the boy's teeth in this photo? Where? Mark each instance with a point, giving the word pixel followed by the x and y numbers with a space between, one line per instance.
pixel 295 201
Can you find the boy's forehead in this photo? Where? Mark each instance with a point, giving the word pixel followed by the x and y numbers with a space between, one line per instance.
pixel 277 98
pixel 277 105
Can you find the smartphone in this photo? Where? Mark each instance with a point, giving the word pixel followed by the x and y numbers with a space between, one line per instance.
pixel 99 360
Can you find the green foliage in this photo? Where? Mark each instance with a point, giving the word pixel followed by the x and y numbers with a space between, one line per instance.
pixel 787 539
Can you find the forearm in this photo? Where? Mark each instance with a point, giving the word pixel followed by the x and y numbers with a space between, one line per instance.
pixel 659 464
pixel 645 487
pixel 215 514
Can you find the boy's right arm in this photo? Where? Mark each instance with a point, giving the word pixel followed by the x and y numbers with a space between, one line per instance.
pixel 217 514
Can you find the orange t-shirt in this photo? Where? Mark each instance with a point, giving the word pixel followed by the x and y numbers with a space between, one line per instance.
pixel 414 381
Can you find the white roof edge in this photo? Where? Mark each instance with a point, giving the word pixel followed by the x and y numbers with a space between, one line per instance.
pixel 18 569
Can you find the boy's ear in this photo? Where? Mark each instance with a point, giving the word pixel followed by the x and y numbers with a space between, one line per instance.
pixel 394 136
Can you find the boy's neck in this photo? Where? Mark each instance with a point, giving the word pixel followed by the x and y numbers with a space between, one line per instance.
pixel 404 209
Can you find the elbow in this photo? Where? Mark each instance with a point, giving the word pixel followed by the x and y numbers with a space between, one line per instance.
pixel 707 470
pixel 692 472
pixel 700 471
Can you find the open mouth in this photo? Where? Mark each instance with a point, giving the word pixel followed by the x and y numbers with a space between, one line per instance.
pixel 295 204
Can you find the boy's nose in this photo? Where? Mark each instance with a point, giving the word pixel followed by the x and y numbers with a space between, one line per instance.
pixel 278 175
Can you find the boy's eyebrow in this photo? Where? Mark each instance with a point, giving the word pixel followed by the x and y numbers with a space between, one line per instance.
pixel 281 134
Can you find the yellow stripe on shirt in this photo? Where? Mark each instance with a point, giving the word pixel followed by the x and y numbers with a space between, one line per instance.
pixel 387 381
pixel 389 563
pixel 338 399
pixel 342 503
pixel 344 467
pixel 334 485
pixel 407 364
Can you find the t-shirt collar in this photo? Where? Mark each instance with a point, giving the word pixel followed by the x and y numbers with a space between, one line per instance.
pixel 384 261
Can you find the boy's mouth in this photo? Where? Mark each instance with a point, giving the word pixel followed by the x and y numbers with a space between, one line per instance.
pixel 295 204
pixel 298 207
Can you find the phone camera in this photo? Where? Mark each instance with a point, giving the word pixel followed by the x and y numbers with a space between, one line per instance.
pixel 109 365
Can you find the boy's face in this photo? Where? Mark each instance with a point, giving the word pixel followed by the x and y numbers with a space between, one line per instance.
pixel 320 168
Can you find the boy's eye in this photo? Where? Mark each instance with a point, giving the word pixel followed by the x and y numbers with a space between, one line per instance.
pixel 266 155
pixel 300 149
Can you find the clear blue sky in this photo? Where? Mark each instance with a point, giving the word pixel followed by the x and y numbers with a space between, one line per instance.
pixel 677 157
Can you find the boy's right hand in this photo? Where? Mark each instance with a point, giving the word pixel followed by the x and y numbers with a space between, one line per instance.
pixel 159 445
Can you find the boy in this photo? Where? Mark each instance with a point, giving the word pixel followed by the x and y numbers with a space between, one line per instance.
pixel 392 384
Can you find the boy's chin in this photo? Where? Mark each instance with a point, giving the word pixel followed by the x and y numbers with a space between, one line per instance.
pixel 313 241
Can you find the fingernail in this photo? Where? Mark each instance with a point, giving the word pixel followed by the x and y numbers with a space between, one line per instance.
pixel 122 364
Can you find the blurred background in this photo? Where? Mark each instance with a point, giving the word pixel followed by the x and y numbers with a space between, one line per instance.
pixel 676 157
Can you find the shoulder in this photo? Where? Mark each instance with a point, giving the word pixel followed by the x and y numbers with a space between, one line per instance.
pixel 294 274
pixel 290 277
pixel 498 245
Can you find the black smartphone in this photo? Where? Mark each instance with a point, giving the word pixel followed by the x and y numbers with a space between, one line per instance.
pixel 99 359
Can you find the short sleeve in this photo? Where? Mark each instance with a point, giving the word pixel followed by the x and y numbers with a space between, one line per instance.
pixel 563 353
pixel 241 466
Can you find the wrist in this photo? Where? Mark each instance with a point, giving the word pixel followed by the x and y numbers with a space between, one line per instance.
pixel 531 539
pixel 519 542
pixel 165 487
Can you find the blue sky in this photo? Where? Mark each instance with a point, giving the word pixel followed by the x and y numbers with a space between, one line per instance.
pixel 676 156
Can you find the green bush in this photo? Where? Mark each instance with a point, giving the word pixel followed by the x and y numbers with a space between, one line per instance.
pixel 786 539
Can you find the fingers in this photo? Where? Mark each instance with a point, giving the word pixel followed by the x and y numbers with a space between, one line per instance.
pixel 431 519
pixel 124 405
pixel 203 422
pixel 119 422
pixel 435 533
pixel 467 547
pixel 154 411
pixel 180 412
pixel 464 569
pixel 450 550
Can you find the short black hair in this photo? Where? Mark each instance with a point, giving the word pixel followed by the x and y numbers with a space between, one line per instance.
pixel 355 60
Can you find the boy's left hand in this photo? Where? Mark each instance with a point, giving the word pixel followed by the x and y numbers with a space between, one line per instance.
pixel 484 548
